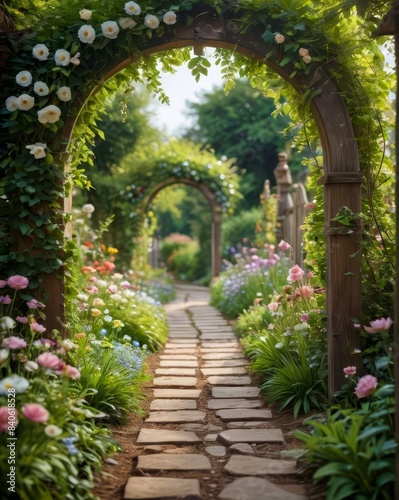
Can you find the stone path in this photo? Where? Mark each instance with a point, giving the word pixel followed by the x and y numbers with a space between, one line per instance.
pixel 204 433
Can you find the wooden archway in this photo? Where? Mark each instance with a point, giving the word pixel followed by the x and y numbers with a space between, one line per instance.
pixel 216 215
pixel 342 177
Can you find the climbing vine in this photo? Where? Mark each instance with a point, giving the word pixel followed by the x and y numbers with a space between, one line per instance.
pixel 55 77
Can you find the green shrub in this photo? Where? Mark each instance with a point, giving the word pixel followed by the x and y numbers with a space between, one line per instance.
pixel 239 228
pixel 254 319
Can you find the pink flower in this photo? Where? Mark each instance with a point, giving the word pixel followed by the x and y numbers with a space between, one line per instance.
pixel 350 370
pixel 306 291
pixel 310 275
pixel 379 325
pixel 14 343
pixel 22 319
pixel 36 327
pixel 304 317
pixel 35 412
pixel 283 245
pixel 34 304
pixel 310 206
pixel 125 284
pixel 295 274
pixel 5 299
pixel 48 360
pixel 71 372
pixel 92 289
pixel 366 386
pixel 17 282
pixel 3 283
pixel 8 417
pixel 112 289
pixel 273 306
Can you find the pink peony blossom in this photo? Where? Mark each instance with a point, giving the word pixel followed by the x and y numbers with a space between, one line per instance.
pixel 112 289
pixel 35 412
pixel 17 282
pixel 14 343
pixel 48 360
pixel 8 418
pixel 379 325
pixel 306 291
pixel 283 245
pixel 273 306
pixel 350 370
pixel 3 283
pixel 36 327
pixel 71 372
pixel 304 317
pixel 34 304
pixel 5 299
pixel 366 386
pixel 92 289
pixel 295 274
pixel 22 319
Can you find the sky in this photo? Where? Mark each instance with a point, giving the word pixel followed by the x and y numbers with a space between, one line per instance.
pixel 181 87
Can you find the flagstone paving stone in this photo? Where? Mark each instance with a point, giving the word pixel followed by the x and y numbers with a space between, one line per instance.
pixel 235 392
pixel 211 437
pixel 175 381
pixel 251 436
pixel 225 350
pixel 251 488
pixel 179 351
pixel 162 487
pixel 178 363
pixel 173 404
pixel 247 425
pixel 170 345
pixel 186 357
pixel 220 404
pixel 240 465
pixel 243 448
pixel 220 345
pixel 216 451
pixel 221 363
pixel 187 461
pixel 176 416
pixel 225 370
pixel 175 371
pixel 222 355
pixel 241 413
pixel 177 393
pixel 225 380
pixel 155 436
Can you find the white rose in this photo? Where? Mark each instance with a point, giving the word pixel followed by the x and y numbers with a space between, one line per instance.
pixel 31 366
pixel 37 150
pixel 110 29
pixel 279 38
pixel 41 88
pixel 49 114
pixel 24 78
pixel 151 21
pixel 12 103
pixel 4 353
pixel 52 430
pixel 303 52
pixel 86 34
pixel 306 59
pixel 88 208
pixel 64 94
pixel 127 22
pixel 85 14
pixel 40 51
pixel 25 102
pixel 169 18
pixel 62 57
pixel 132 8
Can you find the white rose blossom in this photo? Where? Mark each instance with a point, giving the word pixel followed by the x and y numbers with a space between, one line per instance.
pixel 41 88
pixel 49 114
pixel 151 21
pixel 303 52
pixel 132 8
pixel 12 103
pixel 127 23
pixel 24 78
pixel 31 366
pixel 75 59
pixel 4 353
pixel 25 102
pixel 85 14
pixel 88 208
pixel 40 51
pixel 37 150
pixel 279 38
pixel 52 430
pixel 86 34
pixel 169 18
pixel 307 59
pixel 110 29
pixel 62 57
pixel 64 94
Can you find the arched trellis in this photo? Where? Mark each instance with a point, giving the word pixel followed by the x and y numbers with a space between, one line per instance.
pixel 216 214
pixel 341 180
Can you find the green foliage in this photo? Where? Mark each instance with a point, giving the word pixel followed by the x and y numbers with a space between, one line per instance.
pixel 253 320
pixel 354 449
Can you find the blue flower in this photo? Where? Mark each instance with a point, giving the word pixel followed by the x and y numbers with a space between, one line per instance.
pixel 135 343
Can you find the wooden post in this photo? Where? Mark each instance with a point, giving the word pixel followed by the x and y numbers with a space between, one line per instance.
pixel 216 241
pixel 282 173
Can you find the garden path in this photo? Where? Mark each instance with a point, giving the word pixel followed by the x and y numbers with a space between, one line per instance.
pixel 208 434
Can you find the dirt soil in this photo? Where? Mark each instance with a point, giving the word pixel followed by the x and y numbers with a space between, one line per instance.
pixel 111 481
